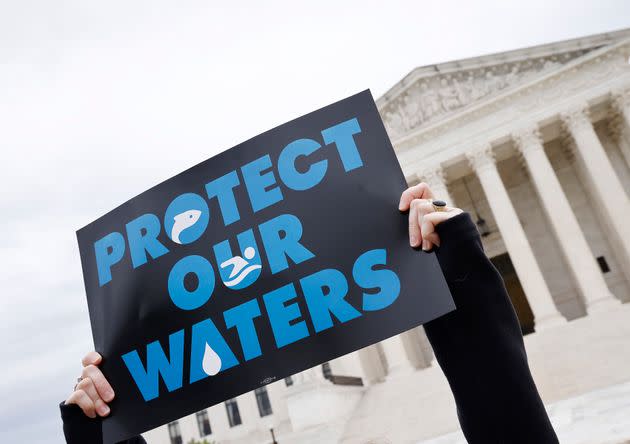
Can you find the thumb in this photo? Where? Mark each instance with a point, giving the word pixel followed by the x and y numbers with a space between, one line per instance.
pixel 428 232
pixel 430 221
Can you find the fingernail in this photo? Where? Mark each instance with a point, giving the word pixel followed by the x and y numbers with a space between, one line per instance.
pixel 104 409
pixel 109 395
pixel 425 245
pixel 412 240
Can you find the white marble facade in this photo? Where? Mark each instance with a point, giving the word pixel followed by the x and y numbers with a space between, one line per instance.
pixel 537 143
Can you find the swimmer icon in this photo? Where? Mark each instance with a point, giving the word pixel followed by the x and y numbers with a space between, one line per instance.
pixel 241 268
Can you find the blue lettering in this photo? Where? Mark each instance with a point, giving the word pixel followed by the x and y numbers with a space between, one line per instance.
pixel 281 316
pixel 260 187
pixel 290 175
pixel 142 233
pixel 342 136
pixel 324 292
pixel 385 280
pixel 242 317
pixel 223 189
pixel 205 332
pixel 281 236
pixel 108 251
pixel 181 297
pixel 158 365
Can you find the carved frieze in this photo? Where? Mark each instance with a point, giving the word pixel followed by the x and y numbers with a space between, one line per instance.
pixel 431 97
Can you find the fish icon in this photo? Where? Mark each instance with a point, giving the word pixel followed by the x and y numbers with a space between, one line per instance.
pixel 183 221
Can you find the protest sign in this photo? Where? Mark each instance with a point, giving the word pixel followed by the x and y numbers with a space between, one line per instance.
pixel 274 256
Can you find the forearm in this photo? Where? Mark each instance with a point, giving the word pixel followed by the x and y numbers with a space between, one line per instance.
pixel 80 429
pixel 479 345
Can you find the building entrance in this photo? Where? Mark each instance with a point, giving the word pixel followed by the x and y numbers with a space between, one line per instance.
pixel 513 286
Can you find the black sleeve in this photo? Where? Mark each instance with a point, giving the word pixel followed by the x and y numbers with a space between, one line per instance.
pixel 480 348
pixel 80 429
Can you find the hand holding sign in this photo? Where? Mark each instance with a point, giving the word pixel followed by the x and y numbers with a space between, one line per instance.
pixel 93 391
pixel 422 216
pixel 421 226
pixel 304 219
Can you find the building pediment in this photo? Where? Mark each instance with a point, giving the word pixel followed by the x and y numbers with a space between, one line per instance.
pixel 432 93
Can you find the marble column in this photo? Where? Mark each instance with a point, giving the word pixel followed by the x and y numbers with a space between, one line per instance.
pixel 621 127
pixel 397 359
pixel 546 315
pixel 577 253
pixel 607 188
pixel 434 177
pixel 372 365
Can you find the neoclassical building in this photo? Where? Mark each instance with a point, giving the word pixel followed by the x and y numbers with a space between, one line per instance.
pixel 535 144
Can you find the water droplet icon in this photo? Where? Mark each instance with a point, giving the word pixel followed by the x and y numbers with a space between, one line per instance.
pixel 211 363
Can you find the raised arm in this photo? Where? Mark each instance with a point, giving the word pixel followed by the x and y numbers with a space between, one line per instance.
pixel 479 346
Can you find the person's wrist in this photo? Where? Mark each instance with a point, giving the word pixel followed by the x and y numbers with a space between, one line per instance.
pixel 457 229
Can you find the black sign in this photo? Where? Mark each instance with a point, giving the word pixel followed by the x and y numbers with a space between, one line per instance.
pixel 283 252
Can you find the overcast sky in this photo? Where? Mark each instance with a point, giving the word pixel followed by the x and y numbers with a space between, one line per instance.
pixel 102 100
